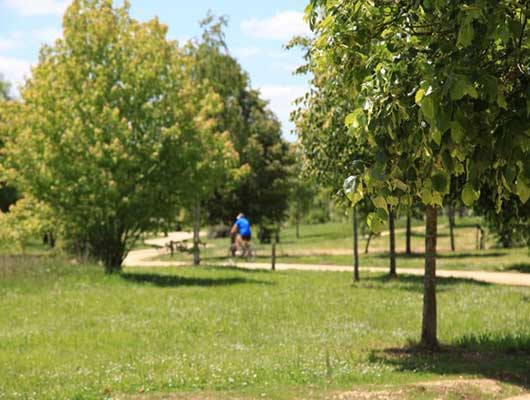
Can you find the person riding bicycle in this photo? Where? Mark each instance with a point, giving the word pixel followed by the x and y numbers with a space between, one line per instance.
pixel 241 228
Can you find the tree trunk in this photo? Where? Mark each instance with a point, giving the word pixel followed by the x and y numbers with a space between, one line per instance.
pixel 196 230
pixel 429 323
pixel 451 217
pixel 355 246
pixel 273 257
pixel 392 235
pixel 298 227
pixel 408 249
pixel 367 247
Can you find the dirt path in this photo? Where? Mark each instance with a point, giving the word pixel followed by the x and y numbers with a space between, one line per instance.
pixel 143 258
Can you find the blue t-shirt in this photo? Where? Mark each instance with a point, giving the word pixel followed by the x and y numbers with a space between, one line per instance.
pixel 243 226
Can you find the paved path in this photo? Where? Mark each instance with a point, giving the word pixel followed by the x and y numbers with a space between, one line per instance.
pixel 143 258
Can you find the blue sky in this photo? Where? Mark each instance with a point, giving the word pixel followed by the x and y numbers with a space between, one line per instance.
pixel 256 35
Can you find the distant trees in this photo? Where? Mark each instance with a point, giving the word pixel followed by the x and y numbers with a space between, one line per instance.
pixel 114 132
pixel 8 195
pixel 259 186
pixel 434 90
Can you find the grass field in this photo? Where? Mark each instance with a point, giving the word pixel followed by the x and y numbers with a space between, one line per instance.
pixel 69 331
pixel 332 244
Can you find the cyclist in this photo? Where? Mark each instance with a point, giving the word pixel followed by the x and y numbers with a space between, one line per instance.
pixel 242 228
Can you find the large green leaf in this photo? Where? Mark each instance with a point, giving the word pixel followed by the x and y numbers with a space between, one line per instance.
pixel 470 195
pixel 523 189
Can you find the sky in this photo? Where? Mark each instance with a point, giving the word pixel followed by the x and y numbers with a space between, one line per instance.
pixel 256 34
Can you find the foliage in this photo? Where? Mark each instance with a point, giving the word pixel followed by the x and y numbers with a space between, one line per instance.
pixel 426 79
pixel 111 124
pixel 26 219
pixel 260 188
pixel 437 89
pixel 5 89
pixel 8 195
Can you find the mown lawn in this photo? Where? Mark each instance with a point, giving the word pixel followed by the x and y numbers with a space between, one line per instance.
pixel 69 331
pixel 331 243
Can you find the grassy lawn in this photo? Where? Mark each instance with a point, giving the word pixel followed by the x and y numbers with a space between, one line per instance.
pixel 331 244
pixel 69 331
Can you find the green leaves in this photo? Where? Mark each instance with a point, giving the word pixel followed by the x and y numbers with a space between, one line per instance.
pixel 470 195
pixel 523 189
pixel 375 223
pixel 353 190
pixel 356 119
pixel 465 34
pixel 461 87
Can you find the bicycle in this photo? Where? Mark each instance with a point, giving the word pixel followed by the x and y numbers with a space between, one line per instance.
pixel 246 251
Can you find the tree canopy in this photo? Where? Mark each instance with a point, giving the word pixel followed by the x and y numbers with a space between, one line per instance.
pixel 113 129
pixel 437 89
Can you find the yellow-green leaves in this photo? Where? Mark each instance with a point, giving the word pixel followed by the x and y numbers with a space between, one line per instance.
pixel 353 190
pixel 356 119
pixel 523 189
pixel 375 223
pixel 470 195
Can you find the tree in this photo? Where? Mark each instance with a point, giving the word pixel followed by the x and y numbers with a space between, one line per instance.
pixel 111 128
pixel 5 89
pixel 426 81
pixel 303 189
pixel 8 195
pixel 260 185
pixel 25 220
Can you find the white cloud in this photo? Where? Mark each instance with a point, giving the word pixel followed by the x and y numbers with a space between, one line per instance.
pixel 282 99
pixel 282 26
pixel 10 43
pixel 46 35
pixel 15 70
pixel 37 7
pixel 247 52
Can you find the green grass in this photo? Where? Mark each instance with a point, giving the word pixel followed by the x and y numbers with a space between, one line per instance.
pixel 331 244
pixel 69 331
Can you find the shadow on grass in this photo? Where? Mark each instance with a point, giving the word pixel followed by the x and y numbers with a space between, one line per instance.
pixel 447 255
pixel 414 283
pixel 178 281
pixel 520 267
pixel 505 358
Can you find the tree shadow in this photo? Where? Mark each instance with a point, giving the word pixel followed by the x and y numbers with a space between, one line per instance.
pixel 505 358
pixel 447 255
pixel 414 283
pixel 178 281
pixel 520 267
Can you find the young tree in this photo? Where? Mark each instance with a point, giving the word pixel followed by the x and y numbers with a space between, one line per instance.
pixel 303 188
pixel 437 90
pixel 109 129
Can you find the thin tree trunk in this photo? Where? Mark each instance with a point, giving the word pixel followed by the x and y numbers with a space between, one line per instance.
pixel 196 230
pixel 355 247
pixel 297 226
pixel 392 235
pixel 451 217
pixel 273 257
pixel 367 247
pixel 429 323
pixel 408 249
